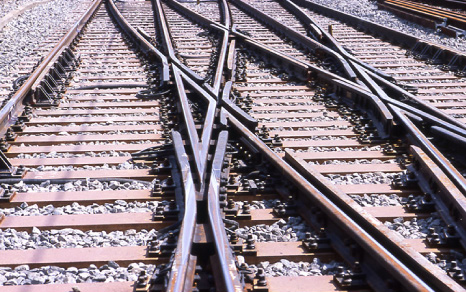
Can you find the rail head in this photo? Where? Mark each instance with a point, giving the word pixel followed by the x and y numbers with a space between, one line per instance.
pixel 229 273
pixel 181 275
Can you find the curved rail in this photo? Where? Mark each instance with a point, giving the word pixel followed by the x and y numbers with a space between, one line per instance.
pixel 145 45
pixel 299 38
pixel 167 45
pixel 223 49
pixel 364 235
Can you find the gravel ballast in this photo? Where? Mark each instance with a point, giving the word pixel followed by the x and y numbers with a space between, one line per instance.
pixel 11 5
pixel 111 272
pixel 11 239
pixel 28 31
pixel 80 186
pixel 119 206
pixel 368 10
pixel 289 268
pixel 416 228
pixel 292 229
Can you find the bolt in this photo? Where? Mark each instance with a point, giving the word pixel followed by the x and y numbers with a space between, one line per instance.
pixel 250 242
pixel 246 208
pixel 171 239
pixel 347 279
pixel 260 275
pixel 231 204
pixel 357 268
pixel 307 236
pixel 159 210
pixel 142 279
pixel 340 271
pixel 172 205
pixel 234 238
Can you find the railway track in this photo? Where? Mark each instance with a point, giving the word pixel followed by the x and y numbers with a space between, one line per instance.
pixel 418 74
pixel 97 203
pixel 454 4
pixel 172 146
pixel 448 22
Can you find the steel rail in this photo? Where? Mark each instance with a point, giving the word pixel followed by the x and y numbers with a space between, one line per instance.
pixel 182 270
pixel 367 78
pixel 166 41
pixel 189 122
pixel 13 106
pixel 395 244
pixel 142 42
pixel 449 57
pixel 235 110
pixel 368 100
pixel 217 79
pixel 435 154
pixel 297 37
pixel 443 120
pixel 227 262
pixel 322 35
pixel 421 260
pixel 425 110
pixel 208 126
pixel 455 18
pixel 446 3
pixel 225 13
pixel 392 264
pixel 359 67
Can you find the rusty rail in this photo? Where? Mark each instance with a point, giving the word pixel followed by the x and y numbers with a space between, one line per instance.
pixel 453 59
pixel 223 50
pixel 434 153
pixel 14 104
pixel 454 18
pixel 229 273
pixel 292 34
pixel 143 43
pixel 364 238
pixel 182 270
pixel 166 42
pixel 200 146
